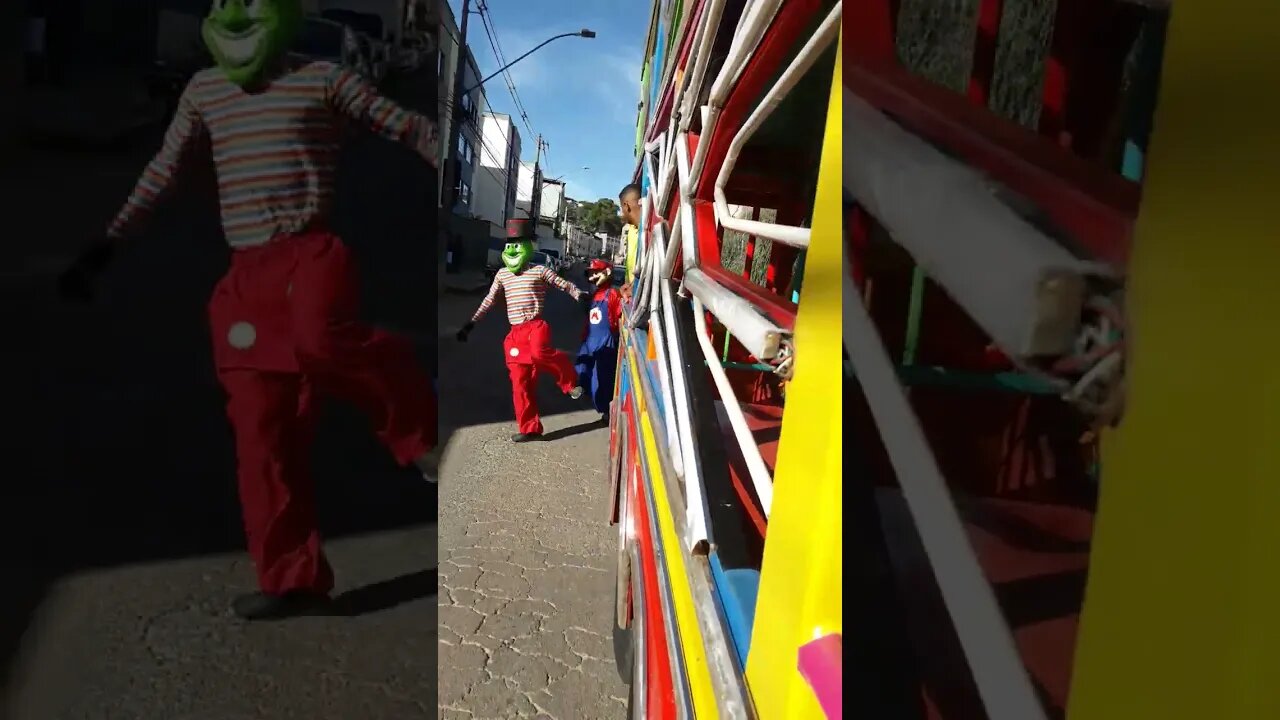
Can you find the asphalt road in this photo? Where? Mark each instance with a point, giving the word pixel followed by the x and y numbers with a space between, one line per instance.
pixel 122 543
pixel 526 553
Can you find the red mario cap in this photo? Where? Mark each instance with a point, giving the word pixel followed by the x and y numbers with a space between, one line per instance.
pixel 598 265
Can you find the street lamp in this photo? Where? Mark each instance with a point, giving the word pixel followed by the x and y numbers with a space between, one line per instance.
pixel 451 175
pixel 583 33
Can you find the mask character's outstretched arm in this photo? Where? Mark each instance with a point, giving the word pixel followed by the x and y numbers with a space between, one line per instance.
pixel 161 173
pixel 487 303
pixel 352 96
pixel 561 283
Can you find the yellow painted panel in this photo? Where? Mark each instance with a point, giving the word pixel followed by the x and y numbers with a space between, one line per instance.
pixel 1180 617
pixel 800 587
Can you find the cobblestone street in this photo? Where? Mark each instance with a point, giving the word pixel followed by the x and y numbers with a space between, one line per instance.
pixel 526 554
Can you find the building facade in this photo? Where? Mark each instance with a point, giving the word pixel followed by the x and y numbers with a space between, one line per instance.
pixel 498 173
pixel 469 109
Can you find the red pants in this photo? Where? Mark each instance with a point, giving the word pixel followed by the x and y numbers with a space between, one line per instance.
pixel 528 350
pixel 285 324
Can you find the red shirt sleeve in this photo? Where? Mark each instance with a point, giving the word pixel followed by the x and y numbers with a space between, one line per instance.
pixel 615 310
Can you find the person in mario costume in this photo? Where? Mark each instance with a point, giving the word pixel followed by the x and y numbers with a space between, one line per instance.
pixel 598 356
pixel 284 318
pixel 528 348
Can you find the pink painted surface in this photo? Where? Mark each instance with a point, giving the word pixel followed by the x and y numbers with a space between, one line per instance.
pixel 820 664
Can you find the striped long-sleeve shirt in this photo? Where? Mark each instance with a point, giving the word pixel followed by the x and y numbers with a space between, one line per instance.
pixel 274 150
pixel 525 294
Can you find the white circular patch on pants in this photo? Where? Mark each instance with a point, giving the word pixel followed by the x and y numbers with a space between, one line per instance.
pixel 242 335
pixel 515 352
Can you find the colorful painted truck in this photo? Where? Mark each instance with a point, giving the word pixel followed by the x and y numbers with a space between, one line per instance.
pixel 1036 531
pixel 1048 520
pixel 726 429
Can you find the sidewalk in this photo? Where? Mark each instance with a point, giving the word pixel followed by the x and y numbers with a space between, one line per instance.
pixel 527 557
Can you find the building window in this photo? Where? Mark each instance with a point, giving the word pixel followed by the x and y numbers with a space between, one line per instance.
pixel 466 153
pixel 464 193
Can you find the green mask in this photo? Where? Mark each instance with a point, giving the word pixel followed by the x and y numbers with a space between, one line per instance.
pixel 516 255
pixel 246 36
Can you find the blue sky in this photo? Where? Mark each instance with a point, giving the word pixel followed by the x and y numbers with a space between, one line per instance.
pixel 580 94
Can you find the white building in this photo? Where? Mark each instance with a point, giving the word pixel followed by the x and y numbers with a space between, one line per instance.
pixel 524 190
pixel 498 174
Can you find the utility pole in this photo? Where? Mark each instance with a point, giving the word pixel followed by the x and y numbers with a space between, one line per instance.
pixel 451 168
pixel 535 202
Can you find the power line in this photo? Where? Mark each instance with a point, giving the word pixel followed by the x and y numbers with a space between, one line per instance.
pixel 486 18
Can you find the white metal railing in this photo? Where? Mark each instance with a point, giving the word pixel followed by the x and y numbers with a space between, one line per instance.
pixel 662 323
pixel 701 59
pixel 752 25
pixel 667 164
pixel 666 371
pixel 1018 284
pixel 825 36
pixel 761 478
pixel 1001 678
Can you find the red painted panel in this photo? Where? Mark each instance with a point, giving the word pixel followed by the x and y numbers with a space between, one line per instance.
pixel 659 687
pixel 1094 206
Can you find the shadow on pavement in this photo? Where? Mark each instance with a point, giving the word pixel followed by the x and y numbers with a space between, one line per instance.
pixel 387 594
pixel 119 451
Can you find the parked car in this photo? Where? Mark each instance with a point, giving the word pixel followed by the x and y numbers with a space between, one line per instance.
pixel 557 263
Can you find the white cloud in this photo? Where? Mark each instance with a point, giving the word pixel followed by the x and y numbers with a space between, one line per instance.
pixel 617 83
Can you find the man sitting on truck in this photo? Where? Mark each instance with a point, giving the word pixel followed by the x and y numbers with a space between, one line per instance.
pixel 629 200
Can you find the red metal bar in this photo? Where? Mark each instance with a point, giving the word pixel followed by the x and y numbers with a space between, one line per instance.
pixel 1081 95
pixel 869 31
pixel 1094 206
pixel 984 51
pixel 777 44
pixel 777 309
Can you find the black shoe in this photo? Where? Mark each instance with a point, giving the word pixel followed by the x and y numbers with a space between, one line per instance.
pixel 263 606
pixel 525 437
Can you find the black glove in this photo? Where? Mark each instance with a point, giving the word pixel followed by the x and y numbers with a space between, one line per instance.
pixel 78 281
pixel 465 331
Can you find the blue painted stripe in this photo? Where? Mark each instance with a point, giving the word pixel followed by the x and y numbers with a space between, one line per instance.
pixel 736 592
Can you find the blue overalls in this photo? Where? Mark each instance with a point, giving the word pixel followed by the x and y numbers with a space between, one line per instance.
pixel 598 356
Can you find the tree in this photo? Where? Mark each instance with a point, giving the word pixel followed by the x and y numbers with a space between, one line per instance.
pixel 599 216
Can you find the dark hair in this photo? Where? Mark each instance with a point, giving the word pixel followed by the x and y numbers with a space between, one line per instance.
pixel 632 188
